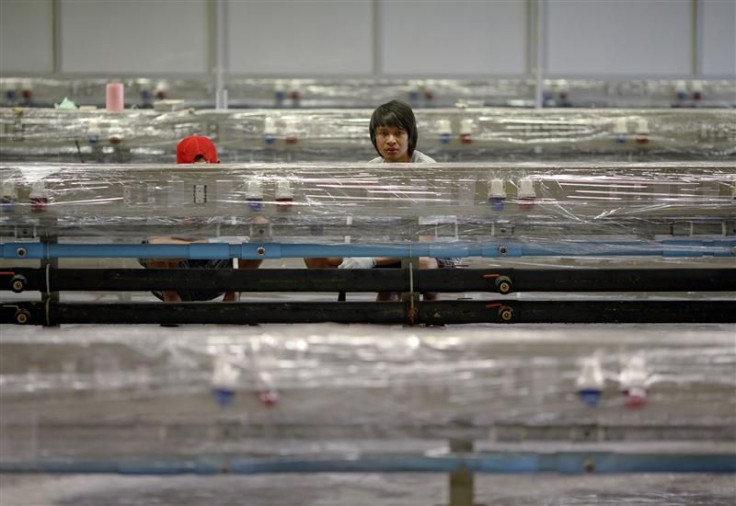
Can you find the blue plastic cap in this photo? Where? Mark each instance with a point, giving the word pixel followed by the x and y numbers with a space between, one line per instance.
pixel 590 397
pixel 223 396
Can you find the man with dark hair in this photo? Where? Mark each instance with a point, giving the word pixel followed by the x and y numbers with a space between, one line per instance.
pixel 194 149
pixel 393 131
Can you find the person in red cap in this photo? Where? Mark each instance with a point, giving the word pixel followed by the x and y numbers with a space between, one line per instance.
pixel 194 149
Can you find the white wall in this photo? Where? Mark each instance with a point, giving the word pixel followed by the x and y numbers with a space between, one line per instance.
pixel 26 36
pixel 460 37
pixel 393 38
pixel 719 37
pixel 619 38
pixel 291 37
pixel 134 36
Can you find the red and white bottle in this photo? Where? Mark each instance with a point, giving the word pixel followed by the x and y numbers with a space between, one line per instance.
pixel 634 380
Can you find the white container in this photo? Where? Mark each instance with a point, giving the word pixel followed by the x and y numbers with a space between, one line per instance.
pixel 498 189
pixel 590 381
pixel 526 189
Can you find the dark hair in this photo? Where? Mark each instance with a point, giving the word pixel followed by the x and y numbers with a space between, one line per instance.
pixel 395 114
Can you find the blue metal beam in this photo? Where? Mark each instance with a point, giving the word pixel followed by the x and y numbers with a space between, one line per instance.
pixel 496 249
pixel 491 463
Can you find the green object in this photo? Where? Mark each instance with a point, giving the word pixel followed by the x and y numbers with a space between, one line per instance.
pixel 66 104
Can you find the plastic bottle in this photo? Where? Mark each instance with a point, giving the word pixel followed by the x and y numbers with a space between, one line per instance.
pixel 526 195
pixel 278 93
pixel 590 381
pixel 445 129
pixel 269 131
pixel 697 87
pixel 224 381
pixel 254 195
pixel 266 390
pixel 284 195
pixel 144 85
pixel 8 198
pixel 93 133
pixel 38 197
pixel 497 195
pixel 294 94
pixel 466 131
pixel 681 90
pixel 162 90
pixel 620 130
pixel 642 131
pixel 634 380
pixel 291 136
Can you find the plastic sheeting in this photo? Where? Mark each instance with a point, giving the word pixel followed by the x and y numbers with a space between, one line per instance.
pixel 449 135
pixel 374 203
pixel 321 390
pixel 264 92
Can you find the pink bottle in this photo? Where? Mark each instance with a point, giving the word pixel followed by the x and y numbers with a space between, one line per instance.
pixel 115 97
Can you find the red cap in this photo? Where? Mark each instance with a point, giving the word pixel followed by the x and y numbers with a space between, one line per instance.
pixel 193 146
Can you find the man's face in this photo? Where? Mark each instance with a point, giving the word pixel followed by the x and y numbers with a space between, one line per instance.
pixel 393 144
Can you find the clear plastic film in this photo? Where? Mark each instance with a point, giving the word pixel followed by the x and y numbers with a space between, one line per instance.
pixel 286 92
pixel 380 203
pixel 80 391
pixel 448 135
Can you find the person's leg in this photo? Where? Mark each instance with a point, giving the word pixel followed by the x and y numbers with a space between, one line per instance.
pixel 322 263
pixel 429 263
pixel 168 295
pixel 242 264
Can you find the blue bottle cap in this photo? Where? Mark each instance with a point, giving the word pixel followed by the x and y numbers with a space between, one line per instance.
pixel 223 396
pixel 589 396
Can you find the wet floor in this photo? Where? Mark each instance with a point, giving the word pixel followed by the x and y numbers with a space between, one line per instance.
pixel 366 490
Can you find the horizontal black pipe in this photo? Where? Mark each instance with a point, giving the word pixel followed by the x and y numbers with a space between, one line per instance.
pixel 432 313
pixel 372 280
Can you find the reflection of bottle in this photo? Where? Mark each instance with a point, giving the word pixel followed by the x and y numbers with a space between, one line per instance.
pixel 590 382
pixel 38 197
pixel 466 131
pixel 284 195
pixel 254 195
pixel 497 195
pixel 526 193
pixel 634 380
pixel 224 380
pixel 7 200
